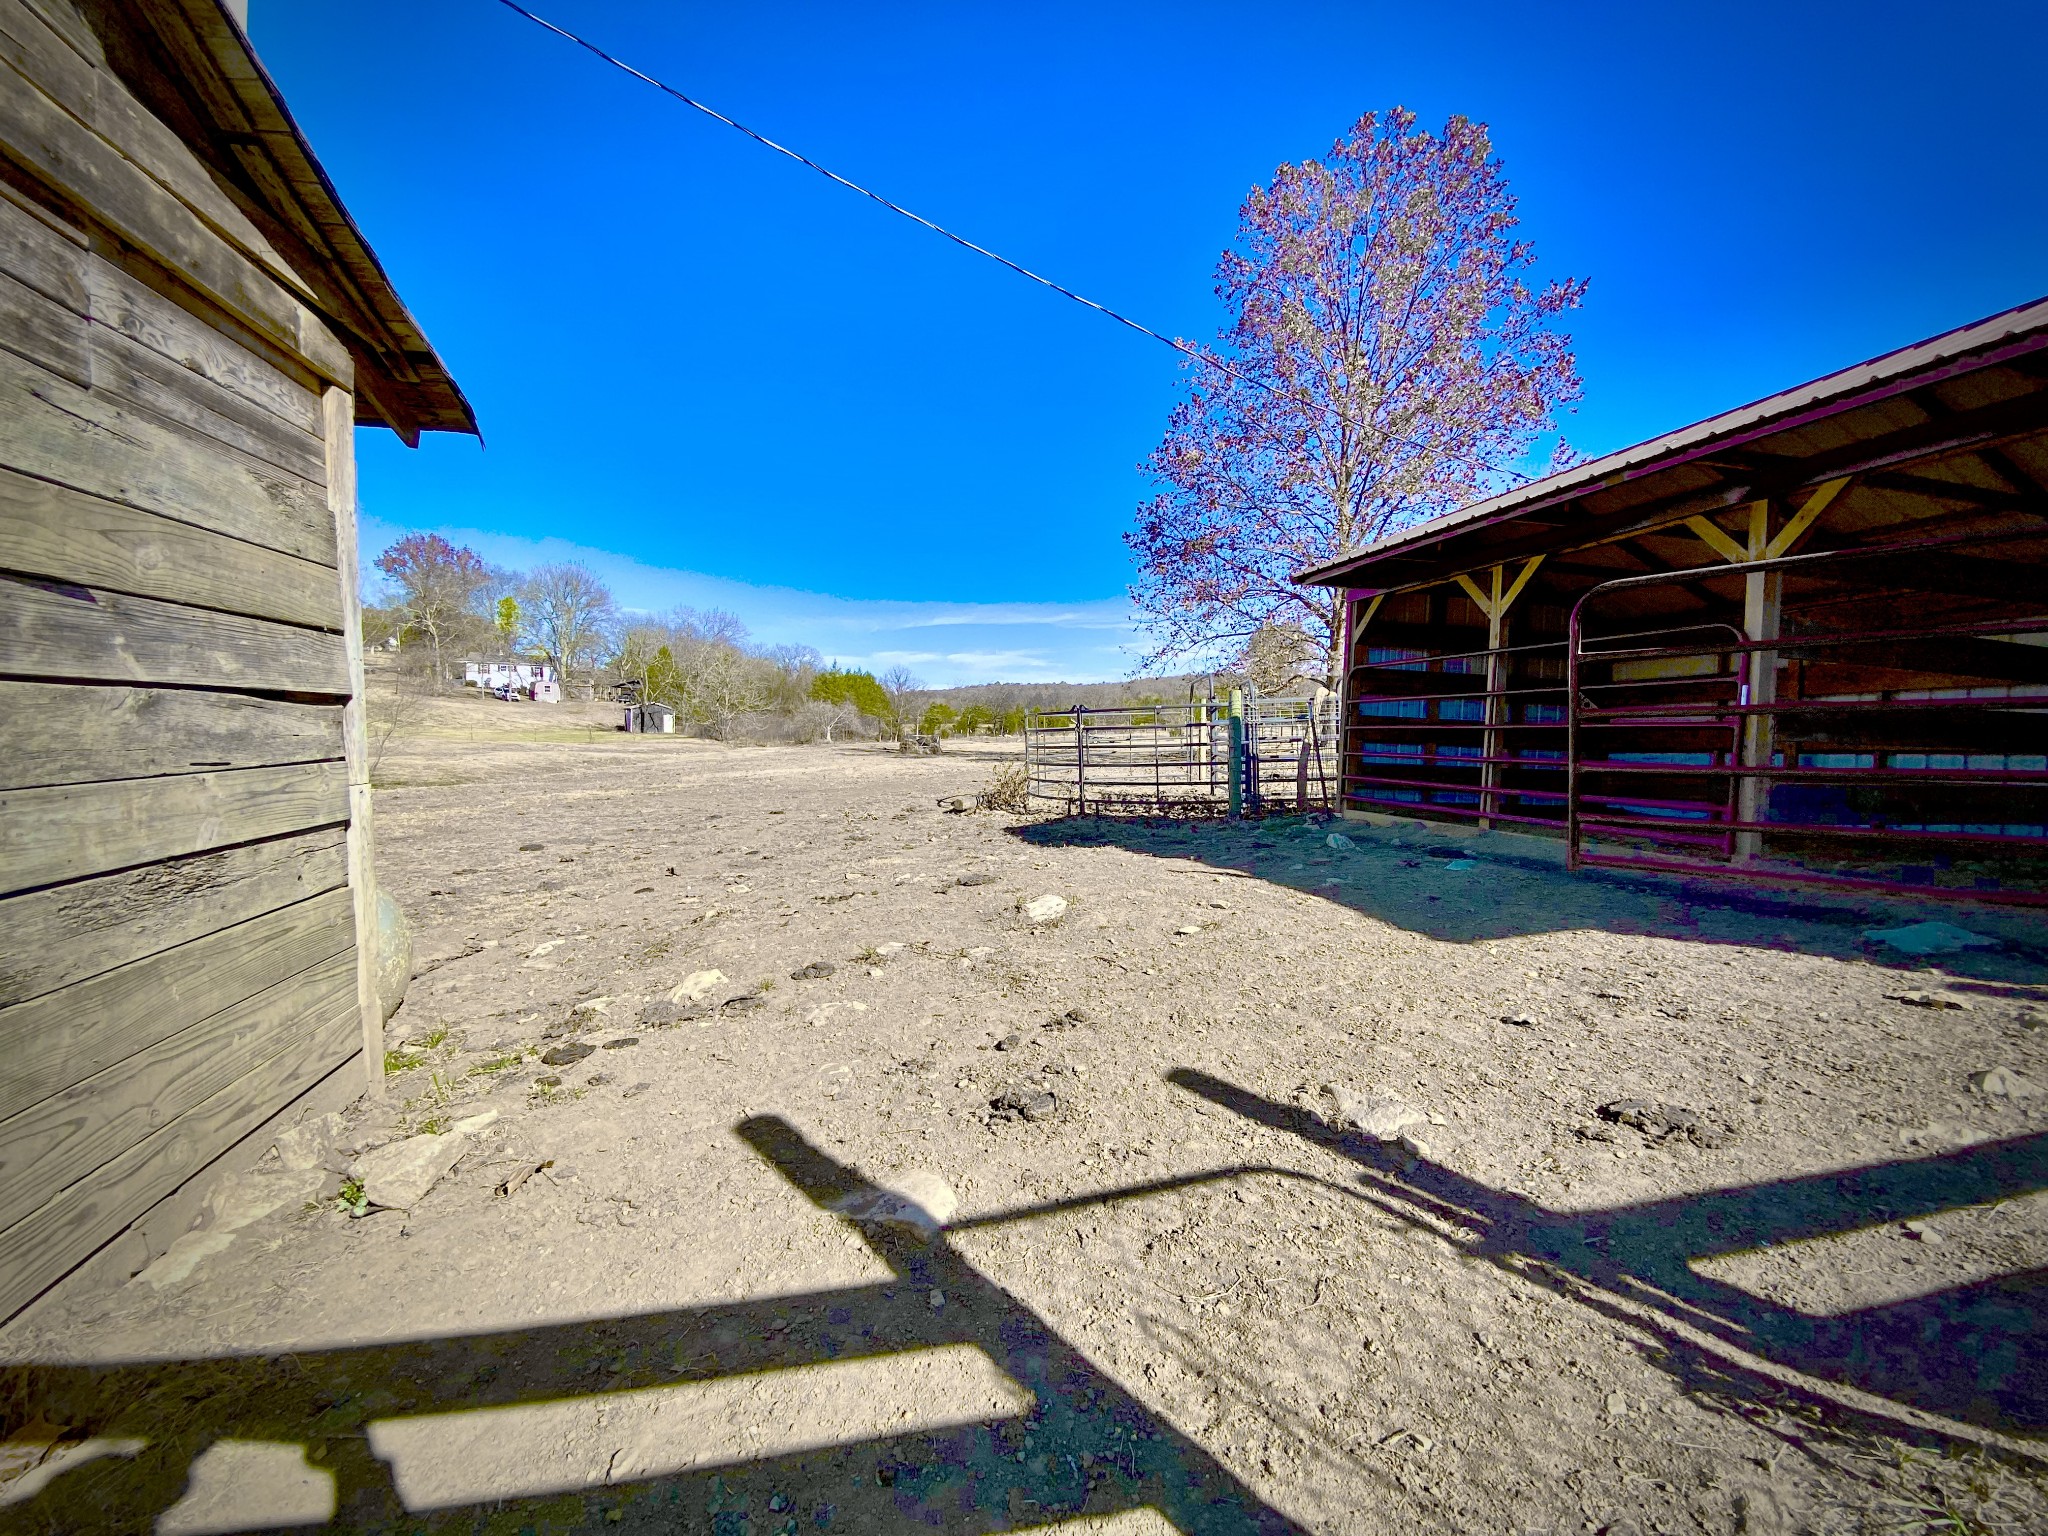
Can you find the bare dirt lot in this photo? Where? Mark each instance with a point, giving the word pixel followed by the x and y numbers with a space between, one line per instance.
pixel 1796 1285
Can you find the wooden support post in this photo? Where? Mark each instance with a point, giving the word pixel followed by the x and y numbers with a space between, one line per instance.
pixel 1493 738
pixel 1762 597
pixel 1761 593
pixel 338 420
pixel 1494 602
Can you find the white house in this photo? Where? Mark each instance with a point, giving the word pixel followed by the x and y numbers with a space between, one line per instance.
pixel 530 675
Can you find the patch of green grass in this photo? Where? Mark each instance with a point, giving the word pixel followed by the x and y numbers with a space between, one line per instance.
pixel 869 955
pixel 496 1064
pixel 434 1125
pixel 436 1038
pixel 396 1062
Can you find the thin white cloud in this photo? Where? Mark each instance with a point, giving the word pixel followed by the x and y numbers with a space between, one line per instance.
pixel 991 642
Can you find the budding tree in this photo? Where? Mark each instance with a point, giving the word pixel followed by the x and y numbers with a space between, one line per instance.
pixel 1385 356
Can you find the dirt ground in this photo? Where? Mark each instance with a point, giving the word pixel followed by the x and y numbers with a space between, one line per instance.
pixel 1799 1287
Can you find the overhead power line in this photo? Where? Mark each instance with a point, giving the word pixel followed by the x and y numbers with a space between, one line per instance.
pixel 1207 359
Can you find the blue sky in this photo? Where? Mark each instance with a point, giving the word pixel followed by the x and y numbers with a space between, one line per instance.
pixel 721 380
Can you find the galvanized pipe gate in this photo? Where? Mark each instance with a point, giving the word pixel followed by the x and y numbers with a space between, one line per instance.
pixel 1236 756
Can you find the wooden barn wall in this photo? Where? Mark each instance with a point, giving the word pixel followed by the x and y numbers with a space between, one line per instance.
pixel 178 917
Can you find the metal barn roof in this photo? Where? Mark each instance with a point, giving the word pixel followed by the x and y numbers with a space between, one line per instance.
pixel 1959 421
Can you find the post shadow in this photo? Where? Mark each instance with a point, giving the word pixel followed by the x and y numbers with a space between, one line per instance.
pixel 1086 1446
pixel 1976 1353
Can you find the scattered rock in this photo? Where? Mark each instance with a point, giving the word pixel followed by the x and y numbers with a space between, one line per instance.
pixel 1187 930
pixel 1383 1119
pixel 696 986
pixel 746 1002
pixel 2031 1018
pixel 531 847
pixel 917 1200
pixel 620 1044
pixel 566 1055
pixel 309 1144
pixel 1929 1000
pixel 1078 1016
pixel 817 970
pixel 394 954
pixel 1519 1020
pixel 1923 1231
pixel 1930 938
pixel 547 1081
pixel 182 1257
pixel 592 1006
pixel 1662 1122
pixel 2004 1083
pixel 1045 909
pixel 1034 1104
pixel 976 880
pixel 237 1201
pixel 955 804
pixel 661 1013
pixel 1339 840
pixel 829 1011
pixel 397 1176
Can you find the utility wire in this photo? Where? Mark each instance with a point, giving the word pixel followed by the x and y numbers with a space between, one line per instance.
pixel 763 140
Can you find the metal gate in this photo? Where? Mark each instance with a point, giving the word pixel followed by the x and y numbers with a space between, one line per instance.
pixel 1855 747
pixel 1209 757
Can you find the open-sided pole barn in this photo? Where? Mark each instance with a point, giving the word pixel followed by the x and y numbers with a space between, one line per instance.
pixel 191 327
pixel 1805 641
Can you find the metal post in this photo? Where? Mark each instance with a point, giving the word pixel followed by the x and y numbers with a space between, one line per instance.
pixel 1237 753
pixel 1030 720
pixel 1572 829
pixel 1080 763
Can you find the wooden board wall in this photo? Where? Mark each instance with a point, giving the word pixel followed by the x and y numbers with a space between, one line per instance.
pixel 184 864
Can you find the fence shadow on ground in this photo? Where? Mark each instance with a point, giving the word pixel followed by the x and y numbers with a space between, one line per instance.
pixel 1085 1446
pixel 1466 889
pixel 1977 1354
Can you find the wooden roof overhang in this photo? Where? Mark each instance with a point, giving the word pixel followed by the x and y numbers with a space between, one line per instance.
pixel 1945 436
pixel 191 63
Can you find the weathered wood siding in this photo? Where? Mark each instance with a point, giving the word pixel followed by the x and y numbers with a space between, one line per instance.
pixel 183 817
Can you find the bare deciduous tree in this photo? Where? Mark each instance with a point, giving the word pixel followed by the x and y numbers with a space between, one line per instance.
pixel 899 683
pixel 566 612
